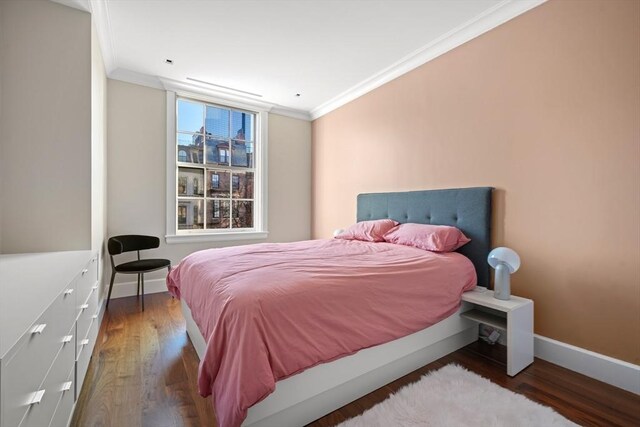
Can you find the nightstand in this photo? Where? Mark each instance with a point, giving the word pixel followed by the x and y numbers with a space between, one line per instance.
pixel 514 316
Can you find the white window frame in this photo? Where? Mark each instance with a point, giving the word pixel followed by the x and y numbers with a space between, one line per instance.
pixel 259 231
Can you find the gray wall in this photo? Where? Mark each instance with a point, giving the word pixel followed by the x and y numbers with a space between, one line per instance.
pixel 45 127
pixel 136 173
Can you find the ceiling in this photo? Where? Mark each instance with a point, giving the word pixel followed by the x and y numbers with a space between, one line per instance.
pixel 327 51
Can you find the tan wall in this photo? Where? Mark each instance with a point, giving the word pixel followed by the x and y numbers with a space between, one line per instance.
pixel 45 127
pixel 136 172
pixel 545 108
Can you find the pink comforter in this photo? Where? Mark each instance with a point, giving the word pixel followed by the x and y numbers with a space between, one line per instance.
pixel 268 311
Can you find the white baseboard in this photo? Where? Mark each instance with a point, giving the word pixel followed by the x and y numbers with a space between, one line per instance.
pixel 103 306
pixel 612 371
pixel 128 289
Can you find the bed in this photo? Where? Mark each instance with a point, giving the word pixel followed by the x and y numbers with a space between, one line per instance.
pixel 307 395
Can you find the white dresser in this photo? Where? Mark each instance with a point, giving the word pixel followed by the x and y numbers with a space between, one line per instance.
pixel 49 321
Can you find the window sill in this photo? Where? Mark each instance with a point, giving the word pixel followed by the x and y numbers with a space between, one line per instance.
pixel 216 237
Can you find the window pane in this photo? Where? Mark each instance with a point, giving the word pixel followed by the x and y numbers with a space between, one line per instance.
pixel 242 185
pixel 217 122
pixel 190 116
pixel 242 214
pixel 190 214
pixel 218 214
pixel 242 154
pixel 217 152
pixel 242 125
pixel 218 183
pixel 190 182
pixel 189 148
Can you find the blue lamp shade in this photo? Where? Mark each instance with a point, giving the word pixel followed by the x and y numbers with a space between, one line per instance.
pixel 506 262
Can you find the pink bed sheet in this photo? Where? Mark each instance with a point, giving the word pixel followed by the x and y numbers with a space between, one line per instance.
pixel 268 311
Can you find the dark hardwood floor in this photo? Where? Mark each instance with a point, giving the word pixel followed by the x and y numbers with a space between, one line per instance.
pixel 144 372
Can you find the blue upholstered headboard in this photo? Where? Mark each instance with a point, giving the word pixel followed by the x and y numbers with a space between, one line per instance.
pixel 469 209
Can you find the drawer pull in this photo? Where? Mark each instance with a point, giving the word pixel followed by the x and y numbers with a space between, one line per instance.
pixel 36 397
pixel 66 386
pixel 67 338
pixel 84 271
pixel 84 342
pixel 38 328
pixel 68 291
pixel 84 306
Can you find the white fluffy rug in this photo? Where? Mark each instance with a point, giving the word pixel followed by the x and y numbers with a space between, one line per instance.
pixel 455 397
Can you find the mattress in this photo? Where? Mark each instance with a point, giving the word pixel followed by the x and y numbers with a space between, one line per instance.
pixel 269 311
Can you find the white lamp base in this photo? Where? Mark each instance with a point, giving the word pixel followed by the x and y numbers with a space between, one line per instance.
pixel 502 288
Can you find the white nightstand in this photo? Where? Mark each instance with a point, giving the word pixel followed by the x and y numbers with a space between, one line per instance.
pixel 514 316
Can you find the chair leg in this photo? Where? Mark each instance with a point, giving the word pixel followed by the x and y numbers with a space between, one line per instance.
pixel 113 276
pixel 142 284
pixel 138 291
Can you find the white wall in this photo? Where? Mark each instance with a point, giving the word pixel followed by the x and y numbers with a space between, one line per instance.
pixel 45 127
pixel 1 135
pixel 98 150
pixel 136 171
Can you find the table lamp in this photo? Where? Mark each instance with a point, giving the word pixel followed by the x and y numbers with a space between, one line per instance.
pixel 506 262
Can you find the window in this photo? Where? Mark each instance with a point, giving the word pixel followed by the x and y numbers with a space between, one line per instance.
pixel 223 156
pixel 182 214
pixel 217 163
pixel 182 185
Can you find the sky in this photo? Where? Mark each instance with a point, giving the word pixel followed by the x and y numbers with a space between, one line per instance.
pixel 191 115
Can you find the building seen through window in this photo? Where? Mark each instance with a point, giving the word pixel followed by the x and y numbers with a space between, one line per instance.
pixel 216 146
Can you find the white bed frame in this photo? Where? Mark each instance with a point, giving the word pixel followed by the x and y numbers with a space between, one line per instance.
pixel 309 395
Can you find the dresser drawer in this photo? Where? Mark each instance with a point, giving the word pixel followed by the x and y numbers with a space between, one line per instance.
pixel 65 314
pixel 62 415
pixel 87 279
pixel 54 386
pixel 28 362
pixel 83 305
pixel 84 356
pixel 88 314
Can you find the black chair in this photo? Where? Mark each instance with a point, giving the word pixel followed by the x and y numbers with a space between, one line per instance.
pixel 119 244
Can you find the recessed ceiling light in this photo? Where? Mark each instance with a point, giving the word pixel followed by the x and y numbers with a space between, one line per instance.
pixel 168 61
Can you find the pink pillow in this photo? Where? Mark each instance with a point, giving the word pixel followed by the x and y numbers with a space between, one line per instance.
pixel 368 231
pixel 434 238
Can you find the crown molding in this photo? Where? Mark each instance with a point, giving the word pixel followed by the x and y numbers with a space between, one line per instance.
pixel 134 77
pixel 491 18
pixel 290 112
pixel 100 16
pixel 100 13
pixel 219 96
pixel 82 5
